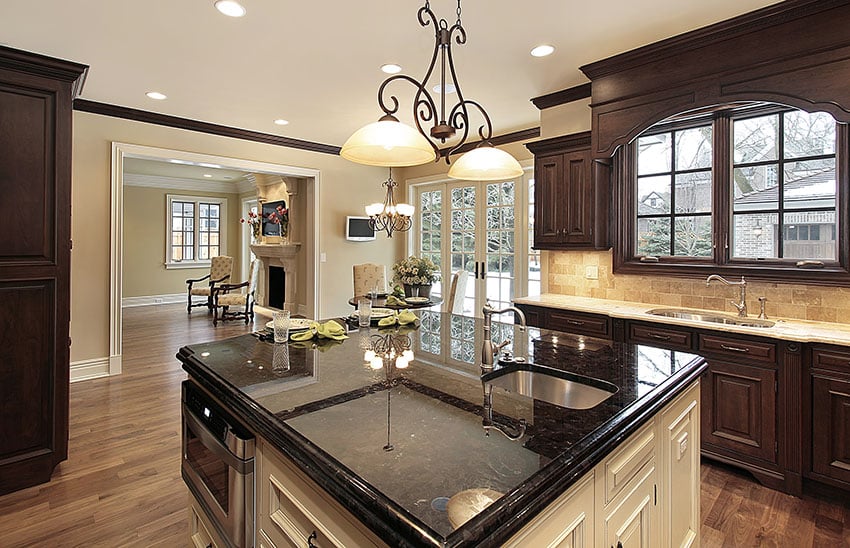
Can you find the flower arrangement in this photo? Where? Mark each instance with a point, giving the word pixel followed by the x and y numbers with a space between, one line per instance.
pixel 280 216
pixel 416 271
pixel 255 223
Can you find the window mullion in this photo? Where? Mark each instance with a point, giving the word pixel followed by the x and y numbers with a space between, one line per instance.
pixel 721 173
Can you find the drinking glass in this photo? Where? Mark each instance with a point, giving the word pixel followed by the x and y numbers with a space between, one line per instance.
pixel 281 326
pixel 364 312
pixel 280 358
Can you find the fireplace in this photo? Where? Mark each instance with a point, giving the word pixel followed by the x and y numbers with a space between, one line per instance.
pixel 276 287
pixel 278 277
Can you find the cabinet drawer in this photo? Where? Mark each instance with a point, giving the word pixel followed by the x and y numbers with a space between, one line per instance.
pixel 577 322
pixel 832 359
pixel 623 466
pixel 660 336
pixel 738 349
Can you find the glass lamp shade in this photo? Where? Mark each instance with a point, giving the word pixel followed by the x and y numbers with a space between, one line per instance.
pixel 388 143
pixel 405 209
pixel 374 209
pixel 485 163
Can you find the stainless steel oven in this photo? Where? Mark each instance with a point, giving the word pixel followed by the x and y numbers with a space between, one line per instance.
pixel 218 465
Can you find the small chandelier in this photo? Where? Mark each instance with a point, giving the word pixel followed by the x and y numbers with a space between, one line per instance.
pixel 390 350
pixel 388 142
pixel 389 216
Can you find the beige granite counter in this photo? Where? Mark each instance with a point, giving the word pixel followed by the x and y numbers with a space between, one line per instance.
pixel 788 330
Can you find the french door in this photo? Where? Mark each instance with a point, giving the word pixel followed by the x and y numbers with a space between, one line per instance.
pixel 479 227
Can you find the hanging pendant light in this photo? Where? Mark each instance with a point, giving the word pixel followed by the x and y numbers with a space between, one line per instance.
pixel 389 216
pixel 388 142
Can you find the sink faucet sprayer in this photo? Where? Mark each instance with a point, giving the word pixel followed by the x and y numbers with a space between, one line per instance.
pixel 741 306
pixel 490 350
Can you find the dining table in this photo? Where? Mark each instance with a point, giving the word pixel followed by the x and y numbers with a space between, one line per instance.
pixel 380 301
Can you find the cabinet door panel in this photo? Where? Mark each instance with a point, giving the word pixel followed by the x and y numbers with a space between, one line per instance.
pixel 831 428
pixel 548 174
pixel 578 191
pixel 739 409
pixel 681 470
pixel 633 522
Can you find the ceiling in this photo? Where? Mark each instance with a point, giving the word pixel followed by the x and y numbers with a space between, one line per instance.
pixel 317 64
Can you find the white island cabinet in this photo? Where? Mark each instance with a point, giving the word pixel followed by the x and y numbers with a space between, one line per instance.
pixel 644 494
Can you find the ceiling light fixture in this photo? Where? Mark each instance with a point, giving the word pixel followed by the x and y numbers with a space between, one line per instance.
pixel 543 50
pixel 230 8
pixel 389 216
pixel 156 95
pixel 207 175
pixel 388 142
pixel 281 122
pixel 391 68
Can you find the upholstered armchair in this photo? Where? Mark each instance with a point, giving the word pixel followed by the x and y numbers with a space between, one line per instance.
pixel 369 276
pixel 221 268
pixel 236 301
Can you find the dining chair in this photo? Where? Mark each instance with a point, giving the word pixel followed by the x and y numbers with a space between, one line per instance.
pixel 368 276
pixel 457 292
pixel 221 268
pixel 242 302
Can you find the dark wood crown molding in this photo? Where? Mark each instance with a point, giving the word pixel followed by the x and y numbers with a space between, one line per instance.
pixel 513 137
pixel 575 93
pixel 137 115
pixel 560 143
pixel 760 19
pixel 42 65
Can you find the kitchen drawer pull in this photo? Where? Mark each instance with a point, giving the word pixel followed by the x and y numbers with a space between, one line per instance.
pixel 575 322
pixel 660 337
pixel 313 536
pixel 734 348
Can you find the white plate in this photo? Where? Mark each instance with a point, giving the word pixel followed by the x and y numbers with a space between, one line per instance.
pixel 377 313
pixel 417 300
pixel 295 324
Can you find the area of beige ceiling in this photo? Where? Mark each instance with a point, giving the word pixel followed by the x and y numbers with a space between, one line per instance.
pixel 316 64
pixel 157 168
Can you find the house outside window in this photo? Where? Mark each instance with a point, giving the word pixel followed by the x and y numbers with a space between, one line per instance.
pixel 746 185
pixel 195 230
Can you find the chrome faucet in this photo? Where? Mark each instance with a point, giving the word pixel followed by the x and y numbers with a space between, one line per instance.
pixel 489 349
pixel 490 423
pixel 741 306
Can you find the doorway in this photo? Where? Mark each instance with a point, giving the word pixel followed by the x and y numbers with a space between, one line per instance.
pixel 123 152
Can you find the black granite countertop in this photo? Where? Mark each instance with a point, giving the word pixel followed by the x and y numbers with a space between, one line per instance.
pixel 393 445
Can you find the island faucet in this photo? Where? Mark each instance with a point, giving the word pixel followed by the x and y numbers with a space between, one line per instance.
pixel 741 306
pixel 489 349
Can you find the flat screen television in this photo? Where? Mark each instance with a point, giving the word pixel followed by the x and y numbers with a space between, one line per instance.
pixel 358 229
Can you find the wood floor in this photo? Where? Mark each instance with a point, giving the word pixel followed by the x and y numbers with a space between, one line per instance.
pixel 121 485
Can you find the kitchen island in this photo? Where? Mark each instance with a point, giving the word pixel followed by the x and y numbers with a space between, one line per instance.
pixel 397 451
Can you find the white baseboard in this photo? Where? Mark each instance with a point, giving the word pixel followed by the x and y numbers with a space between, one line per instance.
pixel 148 300
pixel 89 369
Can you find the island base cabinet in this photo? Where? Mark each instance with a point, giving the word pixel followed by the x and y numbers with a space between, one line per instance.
pixel 293 511
pixel 632 522
pixel 202 534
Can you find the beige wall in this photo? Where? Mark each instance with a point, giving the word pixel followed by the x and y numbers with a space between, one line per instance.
pixel 345 187
pixel 145 236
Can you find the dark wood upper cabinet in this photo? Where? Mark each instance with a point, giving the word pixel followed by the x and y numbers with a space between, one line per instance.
pixel 571 194
pixel 36 95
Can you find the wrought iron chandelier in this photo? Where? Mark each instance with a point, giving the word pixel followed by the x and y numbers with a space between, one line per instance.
pixel 390 350
pixel 389 216
pixel 388 142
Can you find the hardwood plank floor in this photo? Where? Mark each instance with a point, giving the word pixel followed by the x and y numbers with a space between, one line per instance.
pixel 121 485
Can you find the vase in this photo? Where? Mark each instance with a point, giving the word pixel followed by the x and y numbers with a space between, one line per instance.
pixel 417 290
pixel 408 290
pixel 424 291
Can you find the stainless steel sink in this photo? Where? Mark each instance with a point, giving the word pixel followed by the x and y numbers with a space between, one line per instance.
pixel 553 386
pixel 712 317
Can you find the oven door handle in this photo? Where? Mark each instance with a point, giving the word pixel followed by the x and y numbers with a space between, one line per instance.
pixel 215 445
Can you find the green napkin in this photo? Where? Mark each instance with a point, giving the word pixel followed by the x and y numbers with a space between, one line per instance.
pixel 402 318
pixel 328 330
pixel 392 300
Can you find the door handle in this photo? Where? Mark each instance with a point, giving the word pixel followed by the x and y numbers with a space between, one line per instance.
pixel 476 270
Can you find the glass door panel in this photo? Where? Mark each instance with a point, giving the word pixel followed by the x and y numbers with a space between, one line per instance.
pixel 500 244
pixel 463 252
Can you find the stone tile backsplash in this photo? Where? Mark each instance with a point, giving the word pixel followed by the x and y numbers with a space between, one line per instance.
pixel 801 302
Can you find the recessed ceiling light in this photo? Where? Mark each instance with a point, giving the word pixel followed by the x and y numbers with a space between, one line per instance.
pixel 214 166
pixel 391 68
pixel 450 88
pixel 156 95
pixel 543 50
pixel 207 175
pixel 281 122
pixel 175 161
pixel 230 8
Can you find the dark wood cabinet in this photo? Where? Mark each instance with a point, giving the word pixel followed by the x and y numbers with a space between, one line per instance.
pixel 830 415
pixel 36 95
pixel 739 410
pixel 570 194
pixel 568 321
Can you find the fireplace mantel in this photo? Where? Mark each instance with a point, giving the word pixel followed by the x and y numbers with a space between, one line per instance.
pixel 279 255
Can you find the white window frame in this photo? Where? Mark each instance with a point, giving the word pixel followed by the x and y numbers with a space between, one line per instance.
pixel 222 204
